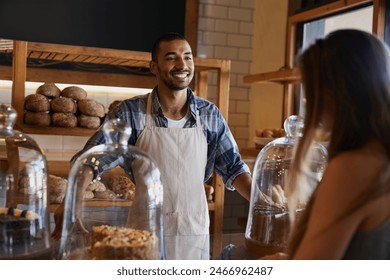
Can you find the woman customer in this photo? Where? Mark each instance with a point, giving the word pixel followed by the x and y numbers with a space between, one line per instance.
pixel 346 79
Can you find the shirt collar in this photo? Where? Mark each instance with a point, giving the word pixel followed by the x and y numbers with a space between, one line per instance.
pixel 156 106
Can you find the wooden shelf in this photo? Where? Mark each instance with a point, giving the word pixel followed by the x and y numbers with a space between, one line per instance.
pixel 54 130
pixel 283 76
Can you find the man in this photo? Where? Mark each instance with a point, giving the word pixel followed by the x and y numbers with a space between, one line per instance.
pixel 187 137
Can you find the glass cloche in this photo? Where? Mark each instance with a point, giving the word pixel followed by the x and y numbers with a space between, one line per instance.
pixel 24 216
pixel 113 203
pixel 268 222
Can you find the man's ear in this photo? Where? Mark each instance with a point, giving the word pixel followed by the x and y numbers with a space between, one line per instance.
pixel 153 67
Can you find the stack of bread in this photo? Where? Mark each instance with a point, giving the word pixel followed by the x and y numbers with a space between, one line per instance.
pixel 67 108
pixel 117 187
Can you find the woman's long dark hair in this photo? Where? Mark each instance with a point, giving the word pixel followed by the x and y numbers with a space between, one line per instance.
pixel 346 79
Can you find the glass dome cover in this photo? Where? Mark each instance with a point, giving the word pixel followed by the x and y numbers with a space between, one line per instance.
pixel 24 217
pixel 128 226
pixel 268 218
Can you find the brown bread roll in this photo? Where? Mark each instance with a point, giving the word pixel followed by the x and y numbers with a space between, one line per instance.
pixel 39 119
pixel 64 119
pixel 63 105
pixel 56 198
pixel 122 186
pixel 88 195
pixel 77 93
pixel 88 121
pixel 91 107
pixel 96 186
pixel 56 185
pixel 107 194
pixel 36 103
pixel 49 90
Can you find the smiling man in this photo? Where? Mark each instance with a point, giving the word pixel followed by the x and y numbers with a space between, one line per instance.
pixel 188 138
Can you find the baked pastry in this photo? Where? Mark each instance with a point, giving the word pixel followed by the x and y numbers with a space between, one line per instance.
pixel 88 195
pixel 64 119
pixel 96 186
pixel 36 103
pixel 106 194
pixel 56 188
pixel 39 119
pixel 49 90
pixel 122 186
pixel 91 107
pixel 63 105
pixel 88 121
pixel 108 243
pixel 77 93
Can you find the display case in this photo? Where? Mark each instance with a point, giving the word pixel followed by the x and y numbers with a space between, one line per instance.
pixel 24 215
pixel 132 226
pixel 268 225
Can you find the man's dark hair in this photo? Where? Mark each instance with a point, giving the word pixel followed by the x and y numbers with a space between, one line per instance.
pixel 165 38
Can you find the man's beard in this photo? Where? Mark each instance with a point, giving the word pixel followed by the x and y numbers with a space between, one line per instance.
pixel 175 86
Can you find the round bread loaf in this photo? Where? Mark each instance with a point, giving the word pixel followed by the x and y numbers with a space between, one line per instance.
pixel 56 198
pixel 56 185
pixel 39 119
pixel 77 93
pixel 96 186
pixel 91 107
pixel 64 119
pixel 49 90
pixel 122 186
pixel 88 121
pixel 36 103
pixel 88 195
pixel 107 194
pixel 63 105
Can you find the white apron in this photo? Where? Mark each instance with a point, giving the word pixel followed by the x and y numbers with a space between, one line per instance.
pixel 181 156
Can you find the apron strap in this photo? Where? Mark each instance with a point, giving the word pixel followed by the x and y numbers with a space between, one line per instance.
pixel 149 111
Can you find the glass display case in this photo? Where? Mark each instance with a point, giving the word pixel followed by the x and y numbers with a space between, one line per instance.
pixel 268 223
pixel 123 220
pixel 24 217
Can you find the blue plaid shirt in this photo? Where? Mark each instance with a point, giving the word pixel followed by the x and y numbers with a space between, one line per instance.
pixel 222 153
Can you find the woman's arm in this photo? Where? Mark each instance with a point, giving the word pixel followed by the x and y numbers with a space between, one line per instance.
pixel 331 224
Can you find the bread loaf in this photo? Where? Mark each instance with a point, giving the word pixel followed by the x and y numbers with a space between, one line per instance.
pixel 56 184
pixel 36 103
pixel 63 105
pixel 49 90
pixel 64 119
pixel 91 107
pixel 96 186
pixel 77 93
pixel 107 194
pixel 39 119
pixel 56 188
pixel 122 186
pixel 88 121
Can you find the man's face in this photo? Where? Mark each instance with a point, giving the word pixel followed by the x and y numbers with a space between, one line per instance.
pixel 175 65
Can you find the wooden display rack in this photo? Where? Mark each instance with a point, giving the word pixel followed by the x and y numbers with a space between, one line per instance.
pixel 56 52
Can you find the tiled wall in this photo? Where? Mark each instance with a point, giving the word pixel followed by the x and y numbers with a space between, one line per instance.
pixel 225 31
